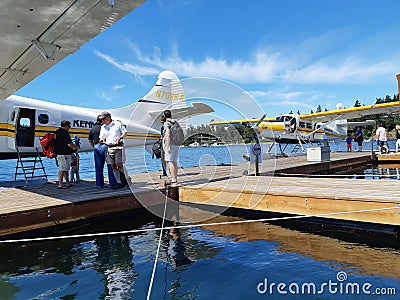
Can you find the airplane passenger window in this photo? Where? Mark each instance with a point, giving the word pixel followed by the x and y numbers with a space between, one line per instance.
pixel 43 118
pixel 25 122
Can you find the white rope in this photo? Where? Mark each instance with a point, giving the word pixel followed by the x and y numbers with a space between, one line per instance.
pixel 134 231
pixel 158 247
pixel 373 175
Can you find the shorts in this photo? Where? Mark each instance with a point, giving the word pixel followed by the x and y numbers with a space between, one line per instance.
pixel 115 155
pixel 64 162
pixel 173 156
pixel 380 143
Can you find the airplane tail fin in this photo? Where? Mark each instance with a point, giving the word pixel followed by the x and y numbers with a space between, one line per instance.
pixel 167 93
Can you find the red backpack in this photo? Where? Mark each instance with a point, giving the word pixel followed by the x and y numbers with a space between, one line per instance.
pixel 47 143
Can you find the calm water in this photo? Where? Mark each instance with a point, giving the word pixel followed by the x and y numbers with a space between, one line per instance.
pixel 231 261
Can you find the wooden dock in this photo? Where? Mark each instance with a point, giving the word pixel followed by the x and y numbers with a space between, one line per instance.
pixel 389 157
pixel 33 207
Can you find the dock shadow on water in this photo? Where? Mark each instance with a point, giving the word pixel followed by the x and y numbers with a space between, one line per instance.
pixel 240 259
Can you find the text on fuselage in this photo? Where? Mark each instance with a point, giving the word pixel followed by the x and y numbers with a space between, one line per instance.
pixel 169 95
pixel 83 123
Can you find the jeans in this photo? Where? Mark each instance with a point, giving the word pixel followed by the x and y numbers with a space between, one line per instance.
pixel 100 153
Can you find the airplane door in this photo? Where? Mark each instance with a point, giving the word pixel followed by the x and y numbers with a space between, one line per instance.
pixel 25 127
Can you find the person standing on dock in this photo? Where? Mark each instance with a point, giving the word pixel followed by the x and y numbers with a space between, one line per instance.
pixel 112 133
pixel 64 147
pixel 359 138
pixel 349 140
pixel 163 163
pixel 381 138
pixel 100 155
pixel 397 137
pixel 171 150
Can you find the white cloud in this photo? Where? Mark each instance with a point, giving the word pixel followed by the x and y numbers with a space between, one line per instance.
pixel 110 94
pixel 262 67
pixel 350 70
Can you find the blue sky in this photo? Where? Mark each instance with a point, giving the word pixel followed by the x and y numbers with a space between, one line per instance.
pixel 287 54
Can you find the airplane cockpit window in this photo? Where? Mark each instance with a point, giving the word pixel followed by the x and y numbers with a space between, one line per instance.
pixel 43 118
pixel 25 122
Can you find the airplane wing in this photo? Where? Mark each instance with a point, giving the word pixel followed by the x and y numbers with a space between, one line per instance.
pixel 241 121
pixel 353 112
pixel 37 34
pixel 197 108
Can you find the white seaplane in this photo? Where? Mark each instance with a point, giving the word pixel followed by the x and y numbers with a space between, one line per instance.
pixel 34 36
pixel 312 128
pixel 23 120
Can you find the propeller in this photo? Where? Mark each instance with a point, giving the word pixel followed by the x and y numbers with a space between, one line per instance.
pixel 290 124
pixel 260 121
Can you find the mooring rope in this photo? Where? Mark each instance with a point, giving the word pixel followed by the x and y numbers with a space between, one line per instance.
pixel 349 176
pixel 158 247
pixel 134 231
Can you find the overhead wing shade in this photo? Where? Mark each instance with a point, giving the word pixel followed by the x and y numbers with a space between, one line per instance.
pixel 37 34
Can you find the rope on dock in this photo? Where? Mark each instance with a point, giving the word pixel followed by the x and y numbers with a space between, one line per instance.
pixel 158 247
pixel 135 231
pixel 349 176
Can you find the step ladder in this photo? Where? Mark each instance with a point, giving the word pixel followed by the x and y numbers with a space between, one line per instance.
pixel 27 166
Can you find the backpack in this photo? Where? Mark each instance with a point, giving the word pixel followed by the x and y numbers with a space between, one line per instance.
pixel 176 133
pixel 156 148
pixel 47 143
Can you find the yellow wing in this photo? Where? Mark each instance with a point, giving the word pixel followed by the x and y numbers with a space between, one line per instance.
pixel 353 112
pixel 240 121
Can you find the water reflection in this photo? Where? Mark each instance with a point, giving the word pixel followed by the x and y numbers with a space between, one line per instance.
pixel 193 263
pixel 115 261
pixel 384 172
pixel 372 172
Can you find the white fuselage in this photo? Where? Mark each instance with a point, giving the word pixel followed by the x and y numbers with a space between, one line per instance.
pixel 23 121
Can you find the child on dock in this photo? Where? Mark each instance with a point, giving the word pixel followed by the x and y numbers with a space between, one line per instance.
pixel 74 176
pixel 349 139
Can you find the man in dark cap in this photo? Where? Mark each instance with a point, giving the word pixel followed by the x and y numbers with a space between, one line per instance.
pixel 64 147
pixel 100 154
pixel 112 133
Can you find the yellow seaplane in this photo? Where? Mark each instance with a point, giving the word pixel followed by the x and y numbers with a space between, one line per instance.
pixel 314 127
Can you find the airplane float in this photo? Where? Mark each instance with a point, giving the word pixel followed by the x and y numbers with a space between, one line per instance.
pixel 36 35
pixel 312 128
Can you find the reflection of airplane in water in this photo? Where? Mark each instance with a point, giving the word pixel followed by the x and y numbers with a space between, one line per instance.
pixel 312 128
pixel 36 35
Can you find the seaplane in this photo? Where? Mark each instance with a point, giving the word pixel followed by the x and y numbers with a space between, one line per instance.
pixel 23 121
pixel 36 35
pixel 320 127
